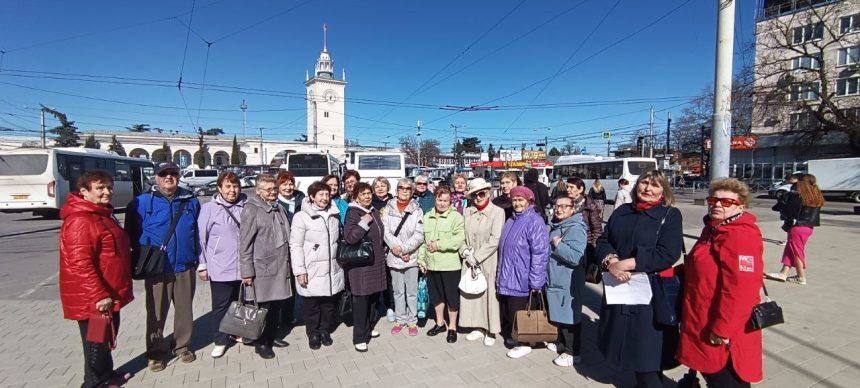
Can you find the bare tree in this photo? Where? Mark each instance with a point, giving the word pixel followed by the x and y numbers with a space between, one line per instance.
pixel 808 74
pixel 429 149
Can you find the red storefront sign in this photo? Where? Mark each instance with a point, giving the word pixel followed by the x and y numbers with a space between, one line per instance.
pixel 739 143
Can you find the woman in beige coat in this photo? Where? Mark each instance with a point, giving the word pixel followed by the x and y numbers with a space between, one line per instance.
pixel 484 223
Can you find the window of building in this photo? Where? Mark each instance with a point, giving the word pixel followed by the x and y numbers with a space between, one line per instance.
pixel 852 113
pixel 808 33
pixel 849 24
pixel 808 62
pixel 804 91
pixel 848 86
pixel 848 56
pixel 802 121
pixel 325 114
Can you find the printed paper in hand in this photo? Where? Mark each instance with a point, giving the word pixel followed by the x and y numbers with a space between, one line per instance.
pixel 637 290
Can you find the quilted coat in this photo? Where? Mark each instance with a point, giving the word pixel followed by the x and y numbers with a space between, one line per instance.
pixel 523 254
pixel 95 258
pixel 411 235
pixel 313 246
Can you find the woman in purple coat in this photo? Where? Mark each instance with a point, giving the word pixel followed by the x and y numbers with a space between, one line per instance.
pixel 219 254
pixel 523 258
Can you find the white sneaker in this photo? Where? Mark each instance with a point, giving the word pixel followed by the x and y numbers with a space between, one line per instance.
pixel 362 347
pixel 474 335
pixel 374 334
pixel 551 346
pixel 390 315
pixel 565 359
pixel 489 341
pixel 218 351
pixel 519 351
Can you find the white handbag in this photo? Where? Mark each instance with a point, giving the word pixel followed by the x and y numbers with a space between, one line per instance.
pixel 473 281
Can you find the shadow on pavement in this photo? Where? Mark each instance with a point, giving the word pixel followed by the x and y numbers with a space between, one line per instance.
pixel 49 229
pixel 201 337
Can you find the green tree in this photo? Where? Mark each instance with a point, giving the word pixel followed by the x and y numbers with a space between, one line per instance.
pixel 116 146
pixel 214 132
pixel 554 152
pixel 91 142
pixel 202 149
pixel 67 132
pixel 235 156
pixel 139 128
pixel 302 137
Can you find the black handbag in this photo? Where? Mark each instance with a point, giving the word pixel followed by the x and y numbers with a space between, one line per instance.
pixel 150 259
pixel 354 255
pixel 242 319
pixel 667 298
pixel 766 314
pixel 344 307
pixel 593 270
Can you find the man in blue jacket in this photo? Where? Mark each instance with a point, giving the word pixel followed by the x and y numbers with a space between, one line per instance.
pixel 147 221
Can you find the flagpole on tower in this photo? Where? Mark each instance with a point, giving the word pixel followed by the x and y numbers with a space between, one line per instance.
pixel 325 37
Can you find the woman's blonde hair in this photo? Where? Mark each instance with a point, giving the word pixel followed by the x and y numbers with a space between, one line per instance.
pixel 458 176
pixel 512 176
pixel 597 186
pixel 810 194
pixel 733 185
pixel 655 177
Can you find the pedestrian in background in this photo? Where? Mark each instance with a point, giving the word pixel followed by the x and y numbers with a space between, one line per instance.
pixel 583 204
pixel 218 226
pixel 507 182
pixel 404 234
pixel 483 229
pixel 566 280
pixel 95 270
pixel 644 237
pixel 319 278
pixel 559 190
pixel 722 283
pixel 800 214
pixel 333 183
pixel 623 194
pixel 523 257
pixel 458 195
pixel 598 194
pixel 426 199
pixel 264 257
pixel 147 221
pixel 541 192
pixel 365 282
pixel 439 258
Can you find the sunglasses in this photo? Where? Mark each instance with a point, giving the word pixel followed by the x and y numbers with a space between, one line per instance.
pixel 404 188
pixel 167 174
pixel 724 202
pixel 480 194
pixel 421 184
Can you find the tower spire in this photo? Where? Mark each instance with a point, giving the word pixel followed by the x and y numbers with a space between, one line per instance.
pixel 325 37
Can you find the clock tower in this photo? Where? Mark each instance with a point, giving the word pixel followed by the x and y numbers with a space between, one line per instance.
pixel 325 98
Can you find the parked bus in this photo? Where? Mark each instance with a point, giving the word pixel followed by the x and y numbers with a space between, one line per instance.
pixel 311 166
pixel 608 170
pixel 372 164
pixel 38 180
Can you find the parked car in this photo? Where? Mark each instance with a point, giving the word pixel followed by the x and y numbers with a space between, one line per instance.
pixel 205 190
pixel 194 178
pixel 248 181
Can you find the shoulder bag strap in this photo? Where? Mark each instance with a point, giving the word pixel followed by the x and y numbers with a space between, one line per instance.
pixel 175 221
pixel 402 221
pixel 239 224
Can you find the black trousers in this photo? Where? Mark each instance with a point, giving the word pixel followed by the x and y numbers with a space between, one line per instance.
pixel 649 379
pixel 570 338
pixel 363 313
pixel 509 306
pixel 98 363
pixel 725 378
pixel 223 293
pixel 273 316
pixel 319 314
pixel 292 312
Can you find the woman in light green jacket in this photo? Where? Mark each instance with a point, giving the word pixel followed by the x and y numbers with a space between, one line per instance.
pixel 439 257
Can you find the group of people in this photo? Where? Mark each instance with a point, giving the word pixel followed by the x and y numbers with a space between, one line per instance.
pixel 279 247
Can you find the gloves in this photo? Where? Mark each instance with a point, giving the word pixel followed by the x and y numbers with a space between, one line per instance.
pixel 468 258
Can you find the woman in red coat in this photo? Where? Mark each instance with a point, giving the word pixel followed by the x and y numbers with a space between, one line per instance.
pixel 723 278
pixel 95 269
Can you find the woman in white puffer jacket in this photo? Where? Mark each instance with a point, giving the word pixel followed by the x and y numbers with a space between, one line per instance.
pixel 402 257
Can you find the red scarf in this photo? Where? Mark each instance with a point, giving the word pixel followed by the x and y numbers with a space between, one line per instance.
pixel 401 205
pixel 642 206
pixel 482 207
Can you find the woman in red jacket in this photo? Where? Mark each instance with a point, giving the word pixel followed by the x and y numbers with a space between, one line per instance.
pixel 723 278
pixel 95 269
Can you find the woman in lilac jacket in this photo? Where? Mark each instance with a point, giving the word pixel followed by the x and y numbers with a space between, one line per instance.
pixel 523 258
pixel 219 254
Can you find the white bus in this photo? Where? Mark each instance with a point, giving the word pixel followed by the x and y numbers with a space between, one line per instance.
pixel 373 164
pixel 608 170
pixel 311 166
pixel 38 180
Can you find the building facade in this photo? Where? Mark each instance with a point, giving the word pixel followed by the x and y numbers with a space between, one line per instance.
pixel 325 104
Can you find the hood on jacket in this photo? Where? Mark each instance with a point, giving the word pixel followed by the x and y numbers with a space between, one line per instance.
pixel 362 208
pixel 307 207
pixel 260 203
pixel 239 202
pixel 531 176
pixel 181 193
pixel 391 207
pixel 434 214
pixel 569 222
pixel 75 203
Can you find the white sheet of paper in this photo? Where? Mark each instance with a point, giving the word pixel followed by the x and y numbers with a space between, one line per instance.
pixel 637 290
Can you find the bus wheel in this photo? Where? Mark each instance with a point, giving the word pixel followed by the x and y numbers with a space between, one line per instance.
pixel 49 214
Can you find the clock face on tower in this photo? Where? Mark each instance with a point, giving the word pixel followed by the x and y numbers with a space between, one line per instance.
pixel 329 96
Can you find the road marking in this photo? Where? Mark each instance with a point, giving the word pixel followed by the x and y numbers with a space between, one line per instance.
pixel 40 285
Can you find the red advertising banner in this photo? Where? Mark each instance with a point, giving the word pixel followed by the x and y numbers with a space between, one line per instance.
pixel 739 143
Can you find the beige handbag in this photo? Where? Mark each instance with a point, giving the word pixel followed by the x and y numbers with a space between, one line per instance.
pixel 533 325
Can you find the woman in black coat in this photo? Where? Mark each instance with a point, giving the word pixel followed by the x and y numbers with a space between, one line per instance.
pixel 365 282
pixel 644 236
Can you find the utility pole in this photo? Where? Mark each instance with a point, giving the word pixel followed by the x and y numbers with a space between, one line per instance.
pixel 43 127
pixel 721 132
pixel 262 152
pixel 419 143
pixel 702 151
pixel 244 107
pixel 608 146
pixel 668 129
pixel 314 102
pixel 651 134
pixel 456 149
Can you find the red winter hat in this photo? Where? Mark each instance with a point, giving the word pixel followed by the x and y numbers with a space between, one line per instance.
pixel 525 192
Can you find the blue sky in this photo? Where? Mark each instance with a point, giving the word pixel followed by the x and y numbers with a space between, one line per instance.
pixel 481 52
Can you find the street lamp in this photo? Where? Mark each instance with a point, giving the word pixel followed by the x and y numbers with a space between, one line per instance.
pixel 419 145
pixel 243 107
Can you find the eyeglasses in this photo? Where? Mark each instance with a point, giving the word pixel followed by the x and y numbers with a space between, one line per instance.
pixel 421 184
pixel 562 206
pixel 166 174
pixel 481 194
pixel 268 189
pixel 404 188
pixel 724 202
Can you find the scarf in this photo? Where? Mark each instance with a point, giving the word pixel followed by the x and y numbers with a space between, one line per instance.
pixel 578 204
pixel 482 207
pixel 291 203
pixel 643 206
pixel 402 205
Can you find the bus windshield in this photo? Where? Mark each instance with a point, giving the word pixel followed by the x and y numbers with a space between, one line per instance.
pixel 308 165
pixel 640 167
pixel 379 162
pixel 23 164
